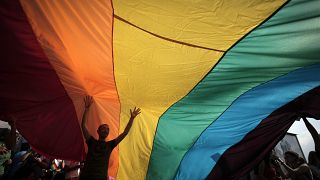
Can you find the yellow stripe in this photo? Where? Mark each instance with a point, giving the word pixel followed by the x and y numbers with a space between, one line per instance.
pixel 154 70
pixel 165 38
pixel 151 73
pixel 208 23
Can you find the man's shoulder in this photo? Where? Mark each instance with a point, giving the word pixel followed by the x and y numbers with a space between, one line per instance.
pixel 90 140
pixel 112 143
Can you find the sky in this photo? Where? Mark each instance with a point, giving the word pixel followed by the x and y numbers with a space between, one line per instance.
pixel 304 137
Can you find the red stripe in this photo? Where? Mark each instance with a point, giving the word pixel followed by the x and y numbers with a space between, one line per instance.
pixel 31 89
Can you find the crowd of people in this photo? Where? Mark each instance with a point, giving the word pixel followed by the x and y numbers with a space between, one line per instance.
pixel 293 166
pixel 18 161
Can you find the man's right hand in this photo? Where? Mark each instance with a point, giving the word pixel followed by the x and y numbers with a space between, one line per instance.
pixel 88 101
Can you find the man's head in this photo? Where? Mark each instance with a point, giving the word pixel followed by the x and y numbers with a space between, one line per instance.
pixel 103 131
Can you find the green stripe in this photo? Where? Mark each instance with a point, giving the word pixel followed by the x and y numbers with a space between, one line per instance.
pixel 289 40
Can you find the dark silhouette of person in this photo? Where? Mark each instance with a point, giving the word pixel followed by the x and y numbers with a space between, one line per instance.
pixel 99 151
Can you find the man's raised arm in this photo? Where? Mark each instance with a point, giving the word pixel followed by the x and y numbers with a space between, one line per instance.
pixel 87 103
pixel 133 114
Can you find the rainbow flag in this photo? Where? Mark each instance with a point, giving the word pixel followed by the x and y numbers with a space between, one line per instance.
pixel 218 82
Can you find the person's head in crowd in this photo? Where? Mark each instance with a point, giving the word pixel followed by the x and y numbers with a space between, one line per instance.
pixel 292 159
pixel 301 161
pixel 4 132
pixel 313 159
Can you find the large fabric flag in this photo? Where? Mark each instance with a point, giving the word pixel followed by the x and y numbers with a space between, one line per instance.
pixel 218 82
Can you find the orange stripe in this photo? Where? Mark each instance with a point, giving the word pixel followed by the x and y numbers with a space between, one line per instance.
pixel 77 38
pixel 31 90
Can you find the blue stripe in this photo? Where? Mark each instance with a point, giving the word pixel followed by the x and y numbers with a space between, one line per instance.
pixel 242 117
